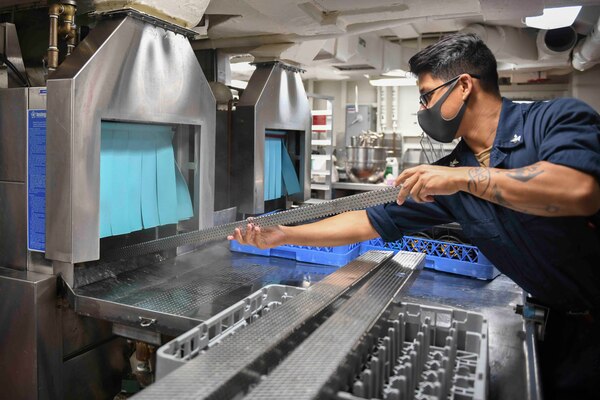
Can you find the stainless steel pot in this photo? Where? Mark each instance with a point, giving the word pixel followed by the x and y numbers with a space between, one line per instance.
pixel 365 164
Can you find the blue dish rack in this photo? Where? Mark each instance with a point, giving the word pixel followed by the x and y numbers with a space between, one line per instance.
pixel 456 258
pixel 461 259
pixel 334 256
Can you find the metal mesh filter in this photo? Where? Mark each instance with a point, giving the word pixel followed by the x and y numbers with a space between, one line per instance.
pixel 219 372
pixel 305 374
pixel 184 300
pixel 301 214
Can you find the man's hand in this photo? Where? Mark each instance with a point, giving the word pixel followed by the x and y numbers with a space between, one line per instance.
pixel 263 238
pixel 425 181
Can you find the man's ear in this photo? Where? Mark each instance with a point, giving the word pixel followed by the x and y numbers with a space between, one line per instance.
pixel 466 86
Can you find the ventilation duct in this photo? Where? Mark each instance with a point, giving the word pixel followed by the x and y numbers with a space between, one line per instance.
pixel 507 43
pixel 185 13
pixel 587 52
pixel 556 43
pixel 519 49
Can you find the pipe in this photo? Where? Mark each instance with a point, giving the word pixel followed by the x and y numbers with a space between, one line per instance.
pixel 67 9
pixel 143 368
pixel 260 40
pixel 505 42
pixel 556 43
pixel 587 51
pixel 53 12
pixel 532 371
pixel 69 29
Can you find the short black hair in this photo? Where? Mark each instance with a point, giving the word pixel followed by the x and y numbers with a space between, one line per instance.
pixel 455 54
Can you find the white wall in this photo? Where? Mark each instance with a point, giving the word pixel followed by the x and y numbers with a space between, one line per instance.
pixel 586 86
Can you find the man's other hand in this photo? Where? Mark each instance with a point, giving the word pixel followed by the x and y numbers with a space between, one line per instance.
pixel 425 181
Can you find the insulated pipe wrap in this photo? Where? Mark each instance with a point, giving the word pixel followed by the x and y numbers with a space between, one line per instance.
pixel 587 52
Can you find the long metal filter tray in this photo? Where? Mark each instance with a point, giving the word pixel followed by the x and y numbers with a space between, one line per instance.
pixel 227 369
pixel 301 214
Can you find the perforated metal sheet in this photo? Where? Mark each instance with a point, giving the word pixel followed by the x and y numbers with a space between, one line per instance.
pixel 301 214
pixel 306 372
pixel 213 374
pixel 185 299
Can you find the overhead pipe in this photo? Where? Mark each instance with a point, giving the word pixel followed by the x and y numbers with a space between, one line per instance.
pixel 587 51
pixel 260 40
pixel 53 12
pixel 67 29
pixel 505 41
pixel 547 49
pixel 556 43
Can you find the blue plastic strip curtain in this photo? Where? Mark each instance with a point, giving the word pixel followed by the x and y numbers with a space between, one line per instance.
pixel 165 179
pixel 119 204
pixel 185 209
pixel 268 170
pixel 106 151
pixel 141 186
pixel 280 176
pixel 290 179
pixel 149 198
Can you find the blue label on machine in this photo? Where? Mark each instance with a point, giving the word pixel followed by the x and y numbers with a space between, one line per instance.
pixel 36 180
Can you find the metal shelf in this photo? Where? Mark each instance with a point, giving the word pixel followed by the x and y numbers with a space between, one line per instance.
pixel 321 142
pixel 326 130
pixel 319 186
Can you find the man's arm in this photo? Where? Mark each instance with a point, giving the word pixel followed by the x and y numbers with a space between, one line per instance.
pixel 543 188
pixel 349 227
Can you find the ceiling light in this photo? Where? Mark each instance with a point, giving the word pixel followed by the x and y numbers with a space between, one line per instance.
pixel 397 72
pixel 554 18
pixel 241 67
pixel 393 82
pixel 238 84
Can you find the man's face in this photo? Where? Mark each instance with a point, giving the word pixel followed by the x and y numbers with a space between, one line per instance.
pixel 432 89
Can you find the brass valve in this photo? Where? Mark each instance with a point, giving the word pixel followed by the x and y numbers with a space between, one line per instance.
pixel 66 29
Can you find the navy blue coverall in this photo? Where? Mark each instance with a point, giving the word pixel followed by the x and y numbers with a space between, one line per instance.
pixel 556 259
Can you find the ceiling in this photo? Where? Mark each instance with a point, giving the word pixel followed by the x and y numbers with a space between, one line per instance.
pixel 325 35
pixel 341 39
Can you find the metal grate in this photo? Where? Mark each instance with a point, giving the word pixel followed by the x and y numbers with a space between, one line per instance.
pixel 306 373
pixel 186 299
pixel 301 214
pixel 223 371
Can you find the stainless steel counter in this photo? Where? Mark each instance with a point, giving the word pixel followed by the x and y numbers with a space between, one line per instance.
pixel 198 285
pixel 175 295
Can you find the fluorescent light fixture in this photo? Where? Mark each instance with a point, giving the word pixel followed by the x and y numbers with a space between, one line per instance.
pixel 393 82
pixel 242 67
pixel 398 73
pixel 553 18
pixel 238 84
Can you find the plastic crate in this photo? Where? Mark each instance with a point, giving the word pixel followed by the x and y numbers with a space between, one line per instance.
pixel 434 352
pixel 178 351
pixel 335 256
pixel 462 259
pixel 425 353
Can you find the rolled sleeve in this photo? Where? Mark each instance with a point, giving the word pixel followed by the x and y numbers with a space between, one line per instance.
pixel 572 136
pixel 392 221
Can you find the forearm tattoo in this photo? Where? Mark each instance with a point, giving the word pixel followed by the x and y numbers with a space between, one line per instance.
pixel 480 184
pixel 479 181
pixel 526 173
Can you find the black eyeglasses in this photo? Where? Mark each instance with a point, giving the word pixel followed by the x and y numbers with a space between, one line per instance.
pixel 426 97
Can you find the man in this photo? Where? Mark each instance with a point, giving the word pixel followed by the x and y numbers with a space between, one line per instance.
pixel 522 183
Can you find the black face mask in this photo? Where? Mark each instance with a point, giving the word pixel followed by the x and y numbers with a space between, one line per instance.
pixel 435 125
